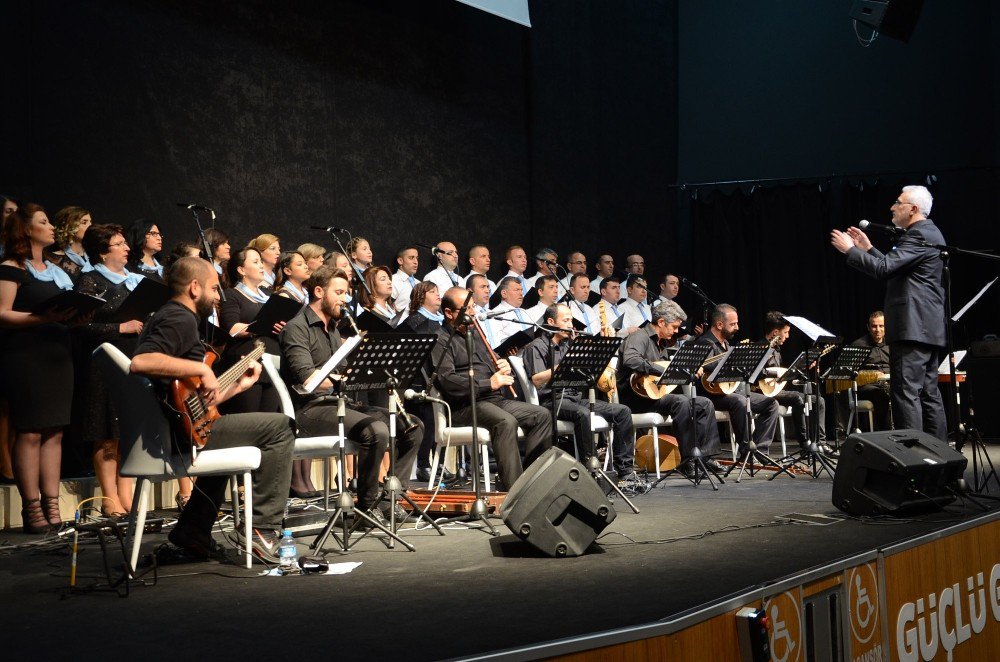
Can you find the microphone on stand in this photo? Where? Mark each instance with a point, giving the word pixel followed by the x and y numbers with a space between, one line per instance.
pixel 891 230
pixel 420 396
pixel 195 205
pixel 331 229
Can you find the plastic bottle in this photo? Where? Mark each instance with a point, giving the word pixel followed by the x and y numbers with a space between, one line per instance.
pixel 287 552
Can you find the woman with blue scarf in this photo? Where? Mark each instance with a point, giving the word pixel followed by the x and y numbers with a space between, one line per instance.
pixel 145 242
pixel 290 275
pixel 243 302
pixel 67 253
pixel 36 363
pixel 97 420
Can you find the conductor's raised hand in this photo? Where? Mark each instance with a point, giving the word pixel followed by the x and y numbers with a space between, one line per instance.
pixel 841 241
pixel 860 239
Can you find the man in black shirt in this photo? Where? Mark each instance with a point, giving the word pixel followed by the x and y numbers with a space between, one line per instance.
pixel 878 363
pixel 168 349
pixel 724 324
pixel 307 342
pixel 776 331
pixel 639 352
pixel 496 410
pixel 570 403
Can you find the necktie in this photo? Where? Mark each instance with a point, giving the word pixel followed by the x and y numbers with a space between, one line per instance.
pixel 642 309
pixel 413 281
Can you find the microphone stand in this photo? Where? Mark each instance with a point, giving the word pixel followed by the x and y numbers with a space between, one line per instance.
pixel 204 243
pixel 359 278
pixel 706 303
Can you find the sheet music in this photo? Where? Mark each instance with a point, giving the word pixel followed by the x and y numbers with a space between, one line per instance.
pixel 945 367
pixel 338 357
pixel 957 316
pixel 811 329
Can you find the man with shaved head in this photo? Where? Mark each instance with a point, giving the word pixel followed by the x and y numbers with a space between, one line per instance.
pixel 444 276
pixel 168 349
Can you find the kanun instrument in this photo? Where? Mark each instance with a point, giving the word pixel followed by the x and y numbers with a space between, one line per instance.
pixel 194 416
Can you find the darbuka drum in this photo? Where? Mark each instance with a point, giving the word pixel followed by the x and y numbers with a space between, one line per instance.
pixel 645 455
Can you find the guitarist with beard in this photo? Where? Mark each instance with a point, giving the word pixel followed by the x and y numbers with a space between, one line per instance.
pixel 724 323
pixel 170 349
pixel 776 330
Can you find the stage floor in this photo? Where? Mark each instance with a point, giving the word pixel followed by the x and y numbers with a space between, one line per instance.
pixel 459 595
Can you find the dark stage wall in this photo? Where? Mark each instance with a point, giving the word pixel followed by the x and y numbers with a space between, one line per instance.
pixel 404 121
pixel 417 121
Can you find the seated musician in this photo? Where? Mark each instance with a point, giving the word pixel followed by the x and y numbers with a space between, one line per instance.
pixel 307 342
pixel 571 403
pixel 724 324
pixel 639 351
pixel 776 330
pixel 168 349
pixel 496 409
pixel 876 368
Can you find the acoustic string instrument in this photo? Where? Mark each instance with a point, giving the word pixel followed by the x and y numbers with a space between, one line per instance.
pixel 608 382
pixel 770 386
pixel 493 355
pixel 645 385
pixel 721 388
pixel 195 416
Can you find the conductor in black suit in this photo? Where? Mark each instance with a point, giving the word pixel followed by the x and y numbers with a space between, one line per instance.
pixel 914 308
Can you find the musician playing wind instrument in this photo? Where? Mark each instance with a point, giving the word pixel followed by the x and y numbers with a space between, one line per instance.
pixel 170 348
pixel 496 410
pixel 642 354
pixel 724 323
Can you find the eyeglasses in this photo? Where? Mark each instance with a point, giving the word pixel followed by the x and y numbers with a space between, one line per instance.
pixel 153 234
pixel 117 243
pixel 900 202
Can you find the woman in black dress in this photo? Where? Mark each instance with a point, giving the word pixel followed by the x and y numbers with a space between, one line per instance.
pixel 145 243
pixel 68 253
pixel 243 302
pixel 425 308
pixel 98 420
pixel 36 363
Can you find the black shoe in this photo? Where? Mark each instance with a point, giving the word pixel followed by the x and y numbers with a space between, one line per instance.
pixel 375 514
pixel 423 474
pixel 401 513
pixel 198 545
pixel 713 465
pixel 689 469
pixel 625 477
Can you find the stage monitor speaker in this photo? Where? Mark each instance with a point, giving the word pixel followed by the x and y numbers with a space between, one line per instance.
pixel 556 506
pixel 893 18
pixel 895 472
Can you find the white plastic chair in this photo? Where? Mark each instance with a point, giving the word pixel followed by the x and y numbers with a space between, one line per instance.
pixel 458 436
pixel 306 448
pixel 563 428
pixel 148 452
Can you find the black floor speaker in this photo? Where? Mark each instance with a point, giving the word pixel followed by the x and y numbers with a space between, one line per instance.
pixel 896 472
pixel 556 506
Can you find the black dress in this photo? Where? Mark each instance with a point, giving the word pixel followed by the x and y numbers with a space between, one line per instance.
pixel 94 414
pixel 36 363
pixel 261 397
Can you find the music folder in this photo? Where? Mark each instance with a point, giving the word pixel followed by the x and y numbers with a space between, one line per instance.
pixel 276 309
pixel 143 301
pixel 369 321
pixel 513 344
pixel 67 299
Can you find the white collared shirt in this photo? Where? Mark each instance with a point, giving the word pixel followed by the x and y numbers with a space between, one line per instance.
pixel 505 328
pixel 595 284
pixel 444 279
pixel 465 280
pixel 635 313
pixel 584 313
pixel 402 288
pixel 521 279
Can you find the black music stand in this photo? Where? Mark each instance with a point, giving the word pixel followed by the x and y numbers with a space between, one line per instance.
pixel 581 366
pixel 683 372
pixel 810 453
pixel 744 364
pixel 383 361
pixel 846 367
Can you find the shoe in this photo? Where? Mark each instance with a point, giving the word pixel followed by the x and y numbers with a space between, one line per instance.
pixel 689 469
pixel 264 544
pixel 34 519
pixel 197 544
pixel 50 504
pixel 376 515
pixel 401 513
pixel 114 516
pixel 626 476
pixel 714 466
pixel 825 448
pixel 423 474
pixel 295 494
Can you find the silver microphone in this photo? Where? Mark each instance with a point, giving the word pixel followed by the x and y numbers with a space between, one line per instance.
pixel 887 229
pixel 421 396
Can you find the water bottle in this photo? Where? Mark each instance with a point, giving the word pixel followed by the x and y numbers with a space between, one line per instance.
pixel 287 553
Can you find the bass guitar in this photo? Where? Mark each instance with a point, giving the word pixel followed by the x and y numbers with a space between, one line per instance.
pixel 195 418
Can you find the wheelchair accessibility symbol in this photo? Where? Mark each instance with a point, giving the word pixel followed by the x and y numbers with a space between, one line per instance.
pixel 863 601
pixel 785 611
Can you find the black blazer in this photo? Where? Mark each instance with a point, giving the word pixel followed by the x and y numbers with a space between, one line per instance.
pixel 914 292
